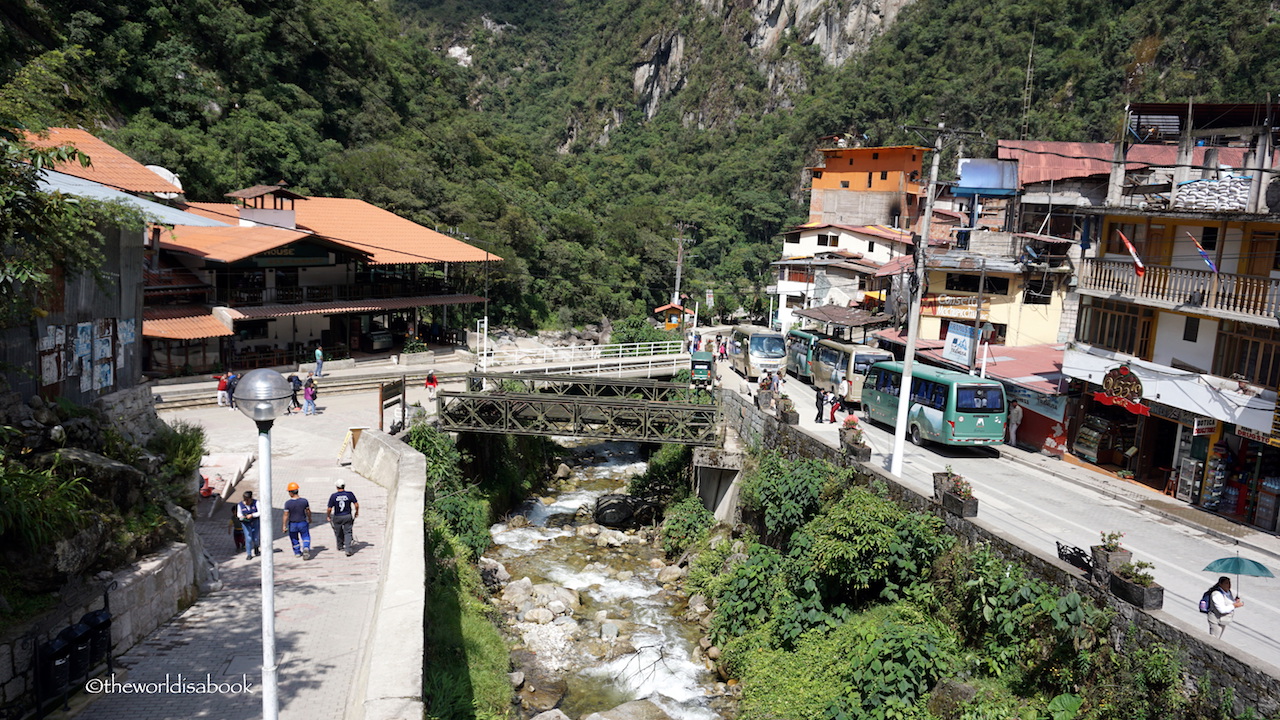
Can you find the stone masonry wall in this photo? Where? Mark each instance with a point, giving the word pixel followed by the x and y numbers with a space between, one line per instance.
pixel 1255 682
pixel 146 595
pixel 132 413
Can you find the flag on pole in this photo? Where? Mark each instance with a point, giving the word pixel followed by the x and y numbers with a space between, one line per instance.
pixel 1138 267
pixel 1204 255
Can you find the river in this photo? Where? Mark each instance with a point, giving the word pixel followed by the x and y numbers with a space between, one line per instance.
pixel 619 595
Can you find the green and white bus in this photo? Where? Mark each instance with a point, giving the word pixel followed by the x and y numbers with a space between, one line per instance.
pixel 947 407
pixel 802 345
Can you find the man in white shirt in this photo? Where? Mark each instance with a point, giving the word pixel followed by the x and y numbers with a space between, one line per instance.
pixel 1222 607
pixel 1015 419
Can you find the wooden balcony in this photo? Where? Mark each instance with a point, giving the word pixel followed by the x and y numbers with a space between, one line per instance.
pixel 1236 297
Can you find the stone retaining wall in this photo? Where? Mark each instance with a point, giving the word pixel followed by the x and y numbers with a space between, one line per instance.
pixel 389 677
pixel 147 595
pixel 132 413
pixel 1256 683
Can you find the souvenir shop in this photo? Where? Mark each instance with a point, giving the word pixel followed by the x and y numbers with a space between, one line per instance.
pixel 1243 480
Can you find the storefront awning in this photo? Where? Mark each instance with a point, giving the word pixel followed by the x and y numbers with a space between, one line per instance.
pixel 843 316
pixel 353 306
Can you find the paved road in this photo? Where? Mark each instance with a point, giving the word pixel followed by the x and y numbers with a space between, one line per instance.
pixel 322 605
pixel 1040 500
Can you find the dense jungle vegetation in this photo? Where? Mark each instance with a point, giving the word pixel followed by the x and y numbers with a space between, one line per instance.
pixel 539 149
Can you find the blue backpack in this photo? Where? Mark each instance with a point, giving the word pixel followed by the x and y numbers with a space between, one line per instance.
pixel 1206 600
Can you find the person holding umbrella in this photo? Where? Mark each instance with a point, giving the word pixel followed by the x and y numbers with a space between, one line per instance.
pixel 1222 606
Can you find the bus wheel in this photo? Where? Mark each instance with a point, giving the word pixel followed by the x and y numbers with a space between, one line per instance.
pixel 916 439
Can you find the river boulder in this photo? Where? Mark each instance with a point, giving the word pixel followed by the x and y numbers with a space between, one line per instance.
pixel 545 593
pixel 493 573
pixel 622 511
pixel 634 710
pixel 518 592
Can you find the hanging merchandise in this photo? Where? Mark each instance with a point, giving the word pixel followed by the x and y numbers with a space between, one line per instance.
pixel 1217 475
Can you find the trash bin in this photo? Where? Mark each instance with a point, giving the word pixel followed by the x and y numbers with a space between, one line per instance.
pixel 99 623
pixel 52 668
pixel 78 641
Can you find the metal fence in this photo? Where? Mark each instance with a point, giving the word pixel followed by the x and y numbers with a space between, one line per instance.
pixel 581 354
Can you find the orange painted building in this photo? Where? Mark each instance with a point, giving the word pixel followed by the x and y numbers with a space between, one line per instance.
pixel 868 186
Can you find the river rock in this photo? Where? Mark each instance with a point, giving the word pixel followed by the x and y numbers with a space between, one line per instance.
pixel 518 592
pixel 493 573
pixel 670 574
pixel 557 607
pixel 601 616
pixel 517 679
pixel 657 564
pixel 539 615
pixel 704 643
pixel 563 472
pixel 698 604
pixel 609 631
pixel 588 531
pixel 713 652
pixel 543 697
pixel 948 698
pixel 545 593
pixel 517 521
pixel 548 500
pixel 625 575
pixel 551 715
pixel 634 710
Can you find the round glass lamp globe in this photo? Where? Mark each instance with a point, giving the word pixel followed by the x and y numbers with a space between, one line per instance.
pixel 263 394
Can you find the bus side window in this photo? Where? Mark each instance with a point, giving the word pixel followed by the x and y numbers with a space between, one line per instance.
pixel 939 396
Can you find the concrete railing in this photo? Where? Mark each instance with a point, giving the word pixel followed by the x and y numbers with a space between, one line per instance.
pixel 389 681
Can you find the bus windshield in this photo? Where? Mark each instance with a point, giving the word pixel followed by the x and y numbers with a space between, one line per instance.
pixel 768 346
pixel 979 398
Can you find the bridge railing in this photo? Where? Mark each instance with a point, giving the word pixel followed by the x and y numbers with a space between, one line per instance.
pixel 618 367
pixel 580 353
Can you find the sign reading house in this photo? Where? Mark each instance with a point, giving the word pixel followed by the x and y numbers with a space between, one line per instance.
pixel 1121 387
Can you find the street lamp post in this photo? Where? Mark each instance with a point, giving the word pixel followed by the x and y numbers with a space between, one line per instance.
pixel 261 395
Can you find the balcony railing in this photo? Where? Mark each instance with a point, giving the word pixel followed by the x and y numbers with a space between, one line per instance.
pixel 241 297
pixel 1170 287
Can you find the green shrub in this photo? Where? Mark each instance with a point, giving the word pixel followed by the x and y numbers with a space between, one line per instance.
pixel 786 493
pixel 686 523
pixel 466 514
pixel 38 506
pixel 639 329
pixel 706 570
pixel 666 480
pixel 746 604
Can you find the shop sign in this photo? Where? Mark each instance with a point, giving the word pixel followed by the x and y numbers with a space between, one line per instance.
pixel 1256 436
pixel 1121 387
pixel 1203 426
pixel 959 343
pixel 958 307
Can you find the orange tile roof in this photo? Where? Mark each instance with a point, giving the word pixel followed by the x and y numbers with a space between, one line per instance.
pixel 186 327
pixel 253 312
pixel 229 244
pixel 222 212
pixel 108 165
pixel 390 238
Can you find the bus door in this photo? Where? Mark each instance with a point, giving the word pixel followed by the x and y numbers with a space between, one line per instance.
pixel 880 395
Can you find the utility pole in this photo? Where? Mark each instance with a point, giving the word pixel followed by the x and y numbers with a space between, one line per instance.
pixel 917 292
pixel 977 318
pixel 681 241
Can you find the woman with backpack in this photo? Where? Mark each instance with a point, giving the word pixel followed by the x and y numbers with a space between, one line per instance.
pixel 1221 606
pixel 309 397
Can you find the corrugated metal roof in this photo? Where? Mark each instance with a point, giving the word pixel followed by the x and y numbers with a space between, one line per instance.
pixel 1042 161
pixel 108 165
pixel 229 244
pixel 353 306
pixel 189 327
pixel 51 181
pixel 1035 367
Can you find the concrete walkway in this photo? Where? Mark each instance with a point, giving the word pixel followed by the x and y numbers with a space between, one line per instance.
pixel 322 605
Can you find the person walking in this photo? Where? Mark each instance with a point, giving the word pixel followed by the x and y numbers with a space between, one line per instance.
pixel 342 513
pixel 309 397
pixel 295 384
pixel 247 511
pixel 297 522
pixel 821 401
pixel 1015 419
pixel 1222 606
pixel 223 399
pixel 232 380
pixel 432 385
pixel 319 361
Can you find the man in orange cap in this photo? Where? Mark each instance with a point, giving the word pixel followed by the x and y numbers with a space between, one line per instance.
pixel 297 522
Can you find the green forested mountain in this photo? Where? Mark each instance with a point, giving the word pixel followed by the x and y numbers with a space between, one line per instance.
pixel 573 133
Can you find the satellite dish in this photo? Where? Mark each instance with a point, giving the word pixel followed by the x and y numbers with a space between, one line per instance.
pixel 167 176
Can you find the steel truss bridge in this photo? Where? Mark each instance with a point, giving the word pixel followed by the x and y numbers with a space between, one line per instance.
pixel 569 405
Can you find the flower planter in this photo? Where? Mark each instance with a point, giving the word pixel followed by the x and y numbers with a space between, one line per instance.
pixel 940 482
pixel 1106 562
pixel 956 505
pixel 1147 597
pixel 858 451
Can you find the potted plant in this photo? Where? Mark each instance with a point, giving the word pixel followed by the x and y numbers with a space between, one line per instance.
pixel 957 497
pixel 940 482
pixel 1132 583
pixel 787 412
pixel 1109 555
pixel 852 440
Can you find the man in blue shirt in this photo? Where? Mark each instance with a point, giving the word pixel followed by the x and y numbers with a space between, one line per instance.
pixel 319 361
pixel 297 522
pixel 342 512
